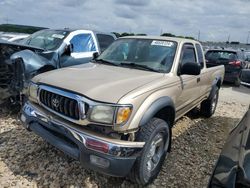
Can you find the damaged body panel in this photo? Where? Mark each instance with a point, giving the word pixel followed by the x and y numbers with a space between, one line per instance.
pixel 43 51
pixel 232 168
pixel 8 68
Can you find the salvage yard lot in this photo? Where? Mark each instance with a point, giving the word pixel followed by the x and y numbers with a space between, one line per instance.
pixel 28 161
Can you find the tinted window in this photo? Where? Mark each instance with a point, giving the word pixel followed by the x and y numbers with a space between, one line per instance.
pixel 104 41
pixel 217 56
pixel 83 43
pixel 200 55
pixel 188 54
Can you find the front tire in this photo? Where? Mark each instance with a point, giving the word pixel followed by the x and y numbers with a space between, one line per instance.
pixel 157 137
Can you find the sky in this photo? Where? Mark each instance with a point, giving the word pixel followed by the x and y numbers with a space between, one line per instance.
pixel 216 20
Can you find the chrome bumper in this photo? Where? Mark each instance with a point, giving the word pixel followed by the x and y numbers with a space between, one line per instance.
pixel 32 113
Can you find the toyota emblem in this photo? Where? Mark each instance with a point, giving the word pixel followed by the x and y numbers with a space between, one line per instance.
pixel 55 102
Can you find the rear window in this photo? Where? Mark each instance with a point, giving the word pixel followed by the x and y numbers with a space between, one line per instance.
pixel 104 41
pixel 221 55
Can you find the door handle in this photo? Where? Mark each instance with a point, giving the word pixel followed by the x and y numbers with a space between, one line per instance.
pixel 198 79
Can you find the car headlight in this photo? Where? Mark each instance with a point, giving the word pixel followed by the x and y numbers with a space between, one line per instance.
pixel 102 114
pixel 33 91
pixel 123 114
pixel 106 114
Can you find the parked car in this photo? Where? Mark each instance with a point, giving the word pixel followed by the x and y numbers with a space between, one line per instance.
pixel 245 77
pixel 247 59
pixel 43 51
pixel 115 113
pixel 233 61
pixel 232 169
pixel 13 37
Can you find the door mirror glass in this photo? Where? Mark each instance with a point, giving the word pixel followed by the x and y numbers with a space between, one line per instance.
pixel 95 55
pixel 68 50
pixel 190 68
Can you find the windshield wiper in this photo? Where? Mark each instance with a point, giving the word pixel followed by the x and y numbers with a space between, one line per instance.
pixel 145 67
pixel 104 62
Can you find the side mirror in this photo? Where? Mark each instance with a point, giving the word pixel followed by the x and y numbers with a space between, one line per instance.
pixel 95 55
pixel 190 68
pixel 68 50
pixel 245 77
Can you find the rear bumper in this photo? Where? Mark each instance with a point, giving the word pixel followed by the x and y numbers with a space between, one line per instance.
pixel 72 140
pixel 231 77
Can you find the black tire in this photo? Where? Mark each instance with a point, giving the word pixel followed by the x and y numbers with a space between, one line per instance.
pixel 237 82
pixel 209 105
pixel 156 128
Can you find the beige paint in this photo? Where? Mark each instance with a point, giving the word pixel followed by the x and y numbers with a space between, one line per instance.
pixel 140 88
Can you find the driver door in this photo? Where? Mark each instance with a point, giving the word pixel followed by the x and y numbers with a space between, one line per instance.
pixel 83 47
pixel 190 90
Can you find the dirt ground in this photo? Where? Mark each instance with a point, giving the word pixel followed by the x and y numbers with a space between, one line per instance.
pixel 28 161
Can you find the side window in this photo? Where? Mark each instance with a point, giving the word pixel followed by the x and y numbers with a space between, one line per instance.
pixel 83 43
pixel 104 41
pixel 200 55
pixel 188 54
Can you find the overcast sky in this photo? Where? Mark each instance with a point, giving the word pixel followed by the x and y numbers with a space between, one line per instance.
pixel 216 19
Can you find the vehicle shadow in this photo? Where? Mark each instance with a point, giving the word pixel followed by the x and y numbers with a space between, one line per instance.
pixel 27 155
pixel 242 89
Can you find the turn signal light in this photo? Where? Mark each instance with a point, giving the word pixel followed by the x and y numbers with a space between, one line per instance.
pixel 97 145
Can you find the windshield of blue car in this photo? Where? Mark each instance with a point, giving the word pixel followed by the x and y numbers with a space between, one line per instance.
pixel 156 55
pixel 46 39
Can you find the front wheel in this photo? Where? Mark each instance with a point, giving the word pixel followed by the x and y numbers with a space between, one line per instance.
pixel 157 137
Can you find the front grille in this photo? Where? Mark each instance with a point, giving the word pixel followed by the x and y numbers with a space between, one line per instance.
pixel 60 104
pixel 5 75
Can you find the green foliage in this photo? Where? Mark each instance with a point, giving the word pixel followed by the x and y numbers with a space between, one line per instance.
pixel 172 35
pixel 116 34
pixel 167 35
pixel 141 34
pixel 19 28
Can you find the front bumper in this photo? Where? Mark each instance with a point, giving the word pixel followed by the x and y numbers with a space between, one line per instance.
pixel 71 139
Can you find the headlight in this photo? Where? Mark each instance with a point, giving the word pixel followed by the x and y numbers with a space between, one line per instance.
pixel 123 114
pixel 102 114
pixel 33 91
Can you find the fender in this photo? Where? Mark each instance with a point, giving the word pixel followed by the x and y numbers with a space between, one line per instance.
pixel 215 86
pixel 155 107
pixel 33 61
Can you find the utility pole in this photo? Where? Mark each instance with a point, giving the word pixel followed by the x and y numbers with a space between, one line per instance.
pixel 228 38
pixel 248 36
pixel 199 34
pixel 7 20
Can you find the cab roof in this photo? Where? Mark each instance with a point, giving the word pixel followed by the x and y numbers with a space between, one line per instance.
pixel 176 39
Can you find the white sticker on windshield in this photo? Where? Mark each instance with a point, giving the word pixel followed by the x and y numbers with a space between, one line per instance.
pixel 162 43
pixel 58 36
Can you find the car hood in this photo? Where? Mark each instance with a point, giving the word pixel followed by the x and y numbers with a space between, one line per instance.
pixel 98 81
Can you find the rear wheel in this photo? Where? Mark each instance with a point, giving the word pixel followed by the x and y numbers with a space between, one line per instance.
pixel 157 137
pixel 208 106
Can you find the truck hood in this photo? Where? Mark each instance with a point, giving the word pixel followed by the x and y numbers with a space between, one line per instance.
pixel 97 81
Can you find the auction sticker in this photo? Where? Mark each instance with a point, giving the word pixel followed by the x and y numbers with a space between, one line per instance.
pixel 58 36
pixel 162 43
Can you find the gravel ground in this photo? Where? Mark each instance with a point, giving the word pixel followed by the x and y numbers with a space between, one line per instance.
pixel 28 161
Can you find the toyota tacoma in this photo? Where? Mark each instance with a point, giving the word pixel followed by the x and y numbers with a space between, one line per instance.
pixel 115 113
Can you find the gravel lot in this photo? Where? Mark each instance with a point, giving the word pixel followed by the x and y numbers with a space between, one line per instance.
pixel 28 161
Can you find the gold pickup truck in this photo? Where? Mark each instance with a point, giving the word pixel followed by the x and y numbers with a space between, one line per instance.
pixel 115 113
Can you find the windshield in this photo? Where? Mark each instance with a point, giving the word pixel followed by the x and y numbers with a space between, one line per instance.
pixel 157 55
pixel 46 39
pixel 221 55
